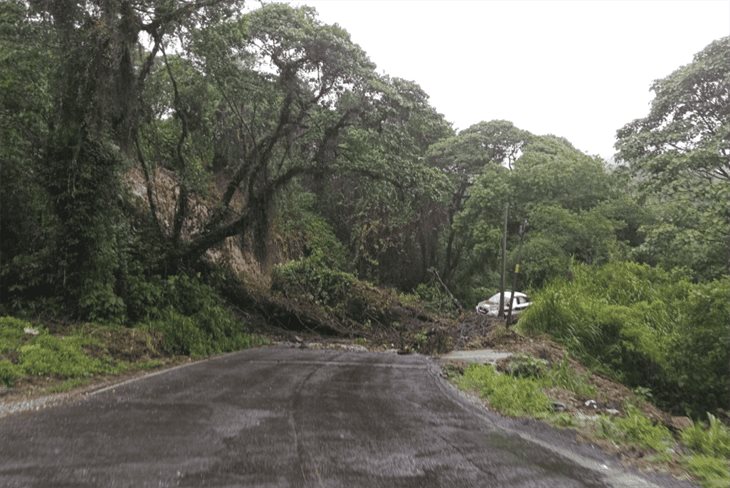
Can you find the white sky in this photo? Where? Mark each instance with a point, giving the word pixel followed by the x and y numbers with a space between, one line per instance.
pixel 577 69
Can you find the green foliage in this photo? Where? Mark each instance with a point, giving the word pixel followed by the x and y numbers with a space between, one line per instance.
pixel 304 233
pixel 711 471
pixel 525 366
pixel 552 171
pixel 558 375
pixel 645 327
pixel 180 335
pixel 713 440
pixel 389 210
pixel 11 333
pixel 61 357
pixel 9 372
pixel 542 259
pixel 514 396
pixel 434 298
pixel 679 152
pixel 686 230
pixel 564 376
pixel 26 64
pixel 309 279
pixel 664 145
pixel 573 207
pixel 41 354
pixel 635 428
pixel 193 320
pixel 699 353
pixel 84 351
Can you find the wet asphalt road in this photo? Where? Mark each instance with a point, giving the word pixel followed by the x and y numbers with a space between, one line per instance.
pixel 279 418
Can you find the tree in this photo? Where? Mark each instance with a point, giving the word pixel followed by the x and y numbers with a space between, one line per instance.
pixel 391 222
pixel 25 68
pixel 687 131
pixel 682 148
pixel 550 169
pixel 463 157
pixel 572 204
pixel 78 114
pixel 285 89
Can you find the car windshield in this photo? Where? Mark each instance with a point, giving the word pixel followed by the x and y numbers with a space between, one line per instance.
pixel 507 295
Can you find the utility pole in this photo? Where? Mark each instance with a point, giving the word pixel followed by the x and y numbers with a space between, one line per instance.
pixel 523 227
pixel 504 262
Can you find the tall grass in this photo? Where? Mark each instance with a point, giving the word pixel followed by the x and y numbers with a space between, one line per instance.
pixel 645 327
pixel 510 395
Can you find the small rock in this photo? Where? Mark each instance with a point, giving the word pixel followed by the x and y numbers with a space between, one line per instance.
pixel 680 423
pixel 558 407
pixel 591 403
pixel 612 411
pixel 31 331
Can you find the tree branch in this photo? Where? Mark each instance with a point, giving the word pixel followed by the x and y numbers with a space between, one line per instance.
pixel 181 207
pixel 168 17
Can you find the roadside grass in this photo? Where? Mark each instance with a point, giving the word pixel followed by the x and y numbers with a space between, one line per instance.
pixel 525 388
pixel 710 448
pixel 76 355
pixel 713 440
pixel 29 351
pixel 710 471
pixel 638 431
pixel 511 395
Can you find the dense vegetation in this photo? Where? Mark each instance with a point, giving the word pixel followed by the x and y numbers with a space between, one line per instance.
pixel 646 327
pixel 149 147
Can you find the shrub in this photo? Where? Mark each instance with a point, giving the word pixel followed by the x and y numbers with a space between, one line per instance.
pixel 335 292
pixel 9 373
pixel 99 302
pixel 434 298
pixel 308 278
pixel 192 319
pixel 524 366
pixel 699 350
pixel 180 335
pixel 561 375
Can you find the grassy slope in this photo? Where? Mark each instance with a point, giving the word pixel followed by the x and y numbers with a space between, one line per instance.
pixel 542 382
pixel 33 359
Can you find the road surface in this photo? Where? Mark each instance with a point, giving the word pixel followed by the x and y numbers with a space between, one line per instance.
pixel 276 417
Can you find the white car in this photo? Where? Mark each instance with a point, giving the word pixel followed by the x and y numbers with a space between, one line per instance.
pixel 490 307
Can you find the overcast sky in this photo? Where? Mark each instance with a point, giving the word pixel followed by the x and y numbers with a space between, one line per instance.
pixel 577 69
